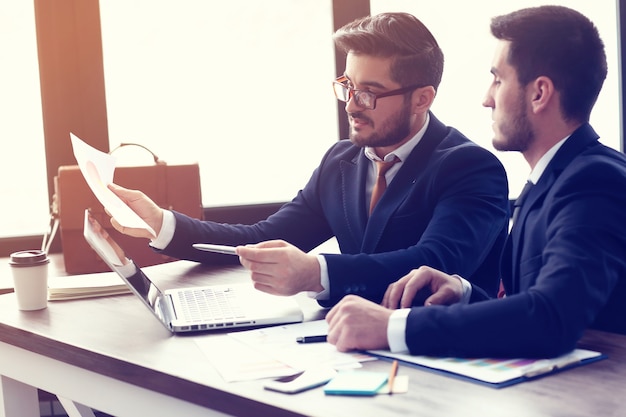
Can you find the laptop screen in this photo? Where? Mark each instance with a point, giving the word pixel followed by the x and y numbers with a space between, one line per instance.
pixel 113 255
pixel 209 307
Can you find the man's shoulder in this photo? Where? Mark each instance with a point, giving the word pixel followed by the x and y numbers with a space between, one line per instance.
pixel 455 139
pixel 452 140
pixel 598 161
pixel 607 154
pixel 449 136
pixel 455 146
pixel 595 172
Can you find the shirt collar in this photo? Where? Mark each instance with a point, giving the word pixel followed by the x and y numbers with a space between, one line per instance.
pixel 544 161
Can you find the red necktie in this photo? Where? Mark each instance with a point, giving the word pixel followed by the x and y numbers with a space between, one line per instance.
pixel 381 183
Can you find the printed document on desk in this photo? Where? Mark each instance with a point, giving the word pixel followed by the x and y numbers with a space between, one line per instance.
pixel 281 343
pixel 494 372
pixel 271 352
pixel 98 168
pixel 236 361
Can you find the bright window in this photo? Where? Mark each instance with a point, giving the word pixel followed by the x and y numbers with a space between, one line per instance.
pixel 24 209
pixel 243 87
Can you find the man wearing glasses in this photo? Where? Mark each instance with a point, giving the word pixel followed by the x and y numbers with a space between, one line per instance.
pixel 440 199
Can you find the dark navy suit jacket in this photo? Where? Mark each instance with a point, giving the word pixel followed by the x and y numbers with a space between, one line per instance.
pixel 446 208
pixel 563 267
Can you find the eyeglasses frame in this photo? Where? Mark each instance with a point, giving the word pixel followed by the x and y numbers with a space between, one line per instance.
pixel 353 92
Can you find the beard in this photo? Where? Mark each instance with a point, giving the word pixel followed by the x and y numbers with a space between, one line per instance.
pixel 516 135
pixel 393 131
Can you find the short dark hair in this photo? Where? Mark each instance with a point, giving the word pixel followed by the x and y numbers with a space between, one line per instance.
pixel 417 58
pixel 559 43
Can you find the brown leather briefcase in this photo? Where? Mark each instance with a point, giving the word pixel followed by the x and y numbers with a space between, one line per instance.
pixel 175 187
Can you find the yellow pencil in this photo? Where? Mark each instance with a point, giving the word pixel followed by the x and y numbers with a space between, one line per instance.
pixel 392 376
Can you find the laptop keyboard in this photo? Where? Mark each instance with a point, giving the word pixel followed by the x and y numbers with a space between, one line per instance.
pixel 209 304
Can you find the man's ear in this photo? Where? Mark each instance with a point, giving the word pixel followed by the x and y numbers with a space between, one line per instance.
pixel 422 99
pixel 542 93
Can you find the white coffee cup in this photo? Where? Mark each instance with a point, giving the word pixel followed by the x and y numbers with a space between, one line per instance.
pixel 30 279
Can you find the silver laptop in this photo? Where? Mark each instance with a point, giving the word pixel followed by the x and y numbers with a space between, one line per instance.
pixel 196 308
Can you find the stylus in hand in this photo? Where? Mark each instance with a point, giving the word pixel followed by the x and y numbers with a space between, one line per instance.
pixel 227 250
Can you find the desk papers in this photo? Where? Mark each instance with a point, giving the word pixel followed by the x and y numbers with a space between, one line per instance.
pixel 236 361
pixel 271 352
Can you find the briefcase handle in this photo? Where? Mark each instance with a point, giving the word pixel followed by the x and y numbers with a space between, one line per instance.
pixel 53 225
pixel 157 160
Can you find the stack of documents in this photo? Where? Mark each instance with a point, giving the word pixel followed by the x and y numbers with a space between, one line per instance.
pixel 85 286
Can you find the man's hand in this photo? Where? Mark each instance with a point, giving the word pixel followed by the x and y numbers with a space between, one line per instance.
pixel 278 268
pixel 446 289
pixel 357 323
pixel 143 206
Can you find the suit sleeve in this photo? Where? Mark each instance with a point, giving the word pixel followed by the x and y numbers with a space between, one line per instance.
pixel 300 222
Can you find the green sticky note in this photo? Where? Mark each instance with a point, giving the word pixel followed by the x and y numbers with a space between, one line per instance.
pixel 356 383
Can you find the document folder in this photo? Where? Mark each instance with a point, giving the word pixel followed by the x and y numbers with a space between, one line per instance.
pixel 495 372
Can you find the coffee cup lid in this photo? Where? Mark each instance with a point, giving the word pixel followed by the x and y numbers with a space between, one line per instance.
pixel 28 258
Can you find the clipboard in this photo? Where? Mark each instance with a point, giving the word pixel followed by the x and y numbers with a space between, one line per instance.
pixel 495 372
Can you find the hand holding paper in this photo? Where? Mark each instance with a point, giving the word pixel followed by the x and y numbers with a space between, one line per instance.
pixel 98 168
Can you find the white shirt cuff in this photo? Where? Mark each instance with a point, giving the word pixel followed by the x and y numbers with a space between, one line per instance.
pixel 168 226
pixel 325 293
pixel 396 331
pixel 467 290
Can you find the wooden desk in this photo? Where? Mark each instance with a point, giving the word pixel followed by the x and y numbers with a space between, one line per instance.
pixel 112 355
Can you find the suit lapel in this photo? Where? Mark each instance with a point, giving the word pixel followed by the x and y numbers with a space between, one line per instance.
pixel 515 240
pixel 582 138
pixel 401 186
pixel 353 177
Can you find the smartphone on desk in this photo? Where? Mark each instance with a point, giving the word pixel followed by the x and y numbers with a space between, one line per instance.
pixel 301 381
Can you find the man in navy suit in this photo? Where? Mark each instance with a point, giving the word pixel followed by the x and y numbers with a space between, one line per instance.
pixel 564 263
pixel 445 205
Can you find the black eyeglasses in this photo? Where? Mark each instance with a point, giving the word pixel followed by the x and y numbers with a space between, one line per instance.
pixel 365 99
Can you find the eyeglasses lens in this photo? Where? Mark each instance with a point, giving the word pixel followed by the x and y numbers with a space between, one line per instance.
pixel 362 98
pixel 341 91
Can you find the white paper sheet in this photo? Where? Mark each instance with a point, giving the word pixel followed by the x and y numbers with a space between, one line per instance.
pixel 280 343
pixel 98 169
pixel 237 361
pixel 273 351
